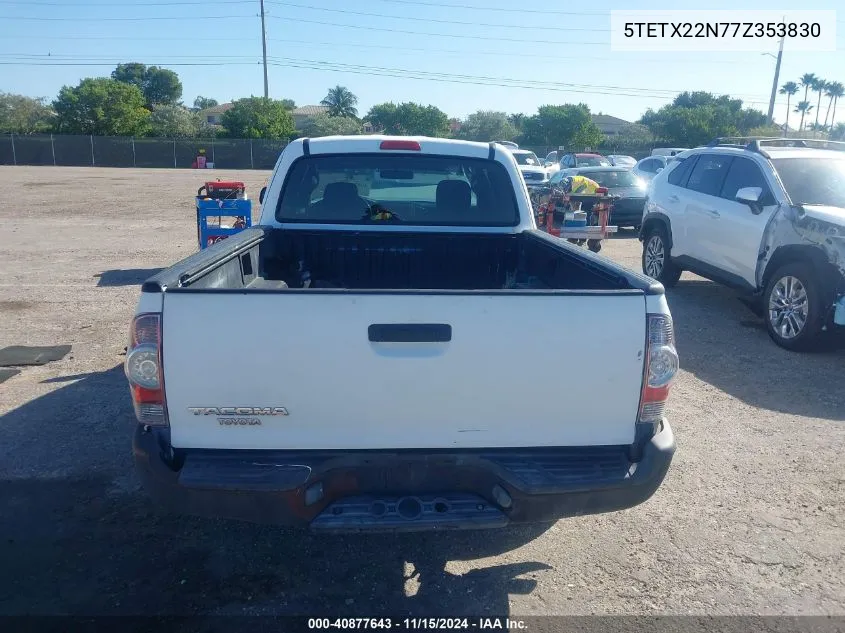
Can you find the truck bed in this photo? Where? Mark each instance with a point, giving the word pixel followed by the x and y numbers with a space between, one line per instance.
pixel 300 260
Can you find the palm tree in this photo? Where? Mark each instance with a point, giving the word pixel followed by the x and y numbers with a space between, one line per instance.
pixel 837 133
pixel 835 89
pixel 804 108
pixel 789 88
pixel 341 102
pixel 808 80
pixel 819 85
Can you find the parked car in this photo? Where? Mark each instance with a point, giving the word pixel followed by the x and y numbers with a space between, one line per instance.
pixel 529 166
pixel 621 160
pixel 667 151
pixel 629 191
pixel 766 219
pixel 359 360
pixel 584 159
pixel 551 159
pixel 649 167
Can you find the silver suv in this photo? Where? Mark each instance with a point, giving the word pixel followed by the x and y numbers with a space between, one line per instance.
pixel 767 218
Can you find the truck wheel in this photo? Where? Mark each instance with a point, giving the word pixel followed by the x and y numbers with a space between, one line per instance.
pixel 656 261
pixel 594 245
pixel 793 305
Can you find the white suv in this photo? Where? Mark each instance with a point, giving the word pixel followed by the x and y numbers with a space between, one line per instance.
pixel 767 218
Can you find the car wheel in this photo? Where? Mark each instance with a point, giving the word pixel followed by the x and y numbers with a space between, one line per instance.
pixel 656 261
pixel 793 307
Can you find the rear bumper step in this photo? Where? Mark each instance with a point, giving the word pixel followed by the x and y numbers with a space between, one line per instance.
pixel 407 490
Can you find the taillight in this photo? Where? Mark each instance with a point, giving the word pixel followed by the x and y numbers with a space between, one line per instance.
pixel 144 369
pixel 406 145
pixel 661 365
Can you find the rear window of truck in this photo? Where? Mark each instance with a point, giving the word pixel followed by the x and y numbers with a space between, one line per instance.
pixel 398 188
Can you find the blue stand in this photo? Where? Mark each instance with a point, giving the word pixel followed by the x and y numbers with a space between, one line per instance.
pixel 238 214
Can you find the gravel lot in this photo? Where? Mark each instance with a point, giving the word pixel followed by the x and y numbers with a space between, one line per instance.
pixel 750 519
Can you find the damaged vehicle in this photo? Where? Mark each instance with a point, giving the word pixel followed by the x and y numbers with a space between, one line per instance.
pixel 766 217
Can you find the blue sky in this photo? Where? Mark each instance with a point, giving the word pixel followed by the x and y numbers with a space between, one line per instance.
pixel 219 43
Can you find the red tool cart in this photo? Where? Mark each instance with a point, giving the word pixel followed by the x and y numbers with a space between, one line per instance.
pixel 552 217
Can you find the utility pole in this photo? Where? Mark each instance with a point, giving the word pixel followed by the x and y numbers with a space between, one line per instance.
pixel 264 50
pixel 775 83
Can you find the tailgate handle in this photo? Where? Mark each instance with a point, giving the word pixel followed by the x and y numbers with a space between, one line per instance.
pixel 410 332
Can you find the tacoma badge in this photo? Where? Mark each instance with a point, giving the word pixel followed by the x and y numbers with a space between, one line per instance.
pixel 238 410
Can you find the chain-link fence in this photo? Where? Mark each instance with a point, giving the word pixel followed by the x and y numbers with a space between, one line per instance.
pixel 118 151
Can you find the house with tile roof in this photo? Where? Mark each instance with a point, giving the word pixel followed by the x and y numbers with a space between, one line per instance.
pixel 213 115
pixel 609 125
pixel 302 113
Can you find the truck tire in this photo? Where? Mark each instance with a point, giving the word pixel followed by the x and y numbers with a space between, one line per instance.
pixel 656 262
pixel 794 307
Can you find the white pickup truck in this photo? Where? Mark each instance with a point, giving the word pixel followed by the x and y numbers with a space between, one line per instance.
pixel 370 356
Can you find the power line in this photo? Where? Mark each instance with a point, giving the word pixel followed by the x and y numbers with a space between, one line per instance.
pixel 466 7
pixel 401 73
pixel 462 36
pixel 133 19
pixel 111 5
pixel 69 63
pixel 490 53
pixel 503 10
pixel 435 20
pixel 478 83
pixel 224 58
pixel 511 82
pixel 356 45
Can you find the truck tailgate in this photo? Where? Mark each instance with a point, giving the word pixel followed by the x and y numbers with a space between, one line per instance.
pixel 562 369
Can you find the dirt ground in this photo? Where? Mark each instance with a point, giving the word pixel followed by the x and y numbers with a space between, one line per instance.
pixel 750 519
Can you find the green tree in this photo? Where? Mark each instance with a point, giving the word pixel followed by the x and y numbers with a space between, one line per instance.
pixel 789 88
pixel 563 125
pixel 341 102
pixel 517 119
pixel 132 73
pixel 694 118
pixel 289 104
pixel 258 117
pixel 838 132
pixel 819 85
pixel 631 138
pixel 804 107
pixel 174 121
pixel 159 85
pixel 202 103
pixel 325 125
pixel 419 120
pixel 383 118
pixel 486 125
pixel 24 115
pixel 163 86
pixel 834 90
pixel 101 106
pixel 808 80
pixel 409 119
pixel 765 130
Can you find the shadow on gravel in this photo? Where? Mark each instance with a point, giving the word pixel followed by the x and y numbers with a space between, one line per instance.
pixel 78 537
pixel 127 277
pixel 722 343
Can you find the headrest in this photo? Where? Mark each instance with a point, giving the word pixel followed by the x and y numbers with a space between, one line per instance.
pixel 340 191
pixel 454 193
